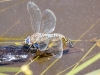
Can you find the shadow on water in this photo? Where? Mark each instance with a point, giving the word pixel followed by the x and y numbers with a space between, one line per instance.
pixel 72 50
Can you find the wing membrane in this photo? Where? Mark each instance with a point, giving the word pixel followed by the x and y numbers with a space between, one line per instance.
pixel 35 16
pixel 48 22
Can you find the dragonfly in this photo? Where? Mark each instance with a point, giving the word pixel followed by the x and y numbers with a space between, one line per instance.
pixel 42 42
pixel 43 24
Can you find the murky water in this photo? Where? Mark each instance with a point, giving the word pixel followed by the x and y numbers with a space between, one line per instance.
pixel 74 18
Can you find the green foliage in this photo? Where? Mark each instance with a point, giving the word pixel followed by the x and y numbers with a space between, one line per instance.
pixel 84 65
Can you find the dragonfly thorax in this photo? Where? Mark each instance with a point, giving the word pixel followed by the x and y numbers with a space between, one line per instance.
pixel 38 37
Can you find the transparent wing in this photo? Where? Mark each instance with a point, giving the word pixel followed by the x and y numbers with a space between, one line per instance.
pixel 35 16
pixel 43 45
pixel 48 22
pixel 56 47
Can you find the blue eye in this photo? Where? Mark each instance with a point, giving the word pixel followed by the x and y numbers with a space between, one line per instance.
pixel 27 40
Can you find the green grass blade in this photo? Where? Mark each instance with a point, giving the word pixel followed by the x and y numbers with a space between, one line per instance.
pixel 3 74
pixel 84 65
pixel 96 72
pixel 9 69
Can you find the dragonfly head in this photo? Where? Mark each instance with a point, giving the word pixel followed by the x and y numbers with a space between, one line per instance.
pixel 27 40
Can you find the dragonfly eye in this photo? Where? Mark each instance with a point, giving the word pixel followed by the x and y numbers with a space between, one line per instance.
pixel 27 40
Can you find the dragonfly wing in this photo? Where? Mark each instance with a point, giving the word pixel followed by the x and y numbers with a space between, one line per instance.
pixel 48 22
pixel 43 45
pixel 56 47
pixel 35 16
